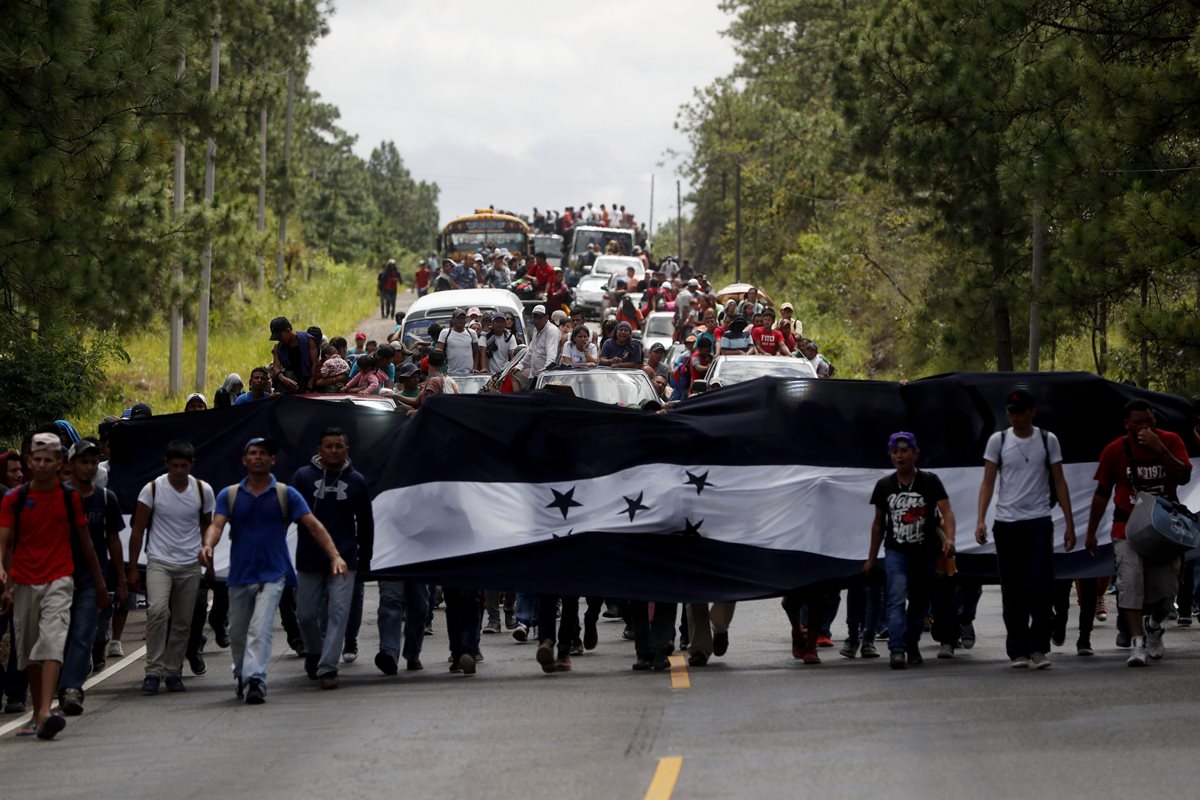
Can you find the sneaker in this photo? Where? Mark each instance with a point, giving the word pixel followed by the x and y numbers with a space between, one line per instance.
pixel 175 684
pixel 660 663
pixel 1138 656
pixel 946 651
pixel 1101 609
pixel 576 648
pixel 563 662
pixel 71 702
pixel 329 680
pixel 196 663
pixel 1058 631
pixel 896 660
pixel 256 693
pixel 610 612
pixel 545 655
pixel 429 630
pixel 641 665
pixel 1039 661
pixel 510 619
pixel 14 707
pixel 1020 662
pixel 697 659
pixel 478 656
pixel 222 638
pixel 520 633
pixel 1083 648
pixel 1173 614
pixel 914 657
pixel 414 665
pixel 809 656
pixel 350 654
pixel 455 668
pixel 311 663
pixel 849 649
pixel 50 727
pixel 1184 620
pixel 720 643
pixel 868 650
pixel 591 636
pixel 822 641
pixel 627 634
pixel 493 626
pixel 150 684
pixel 967 635
pixel 1123 640
pixel 98 666
pixel 1154 640
pixel 467 662
pixel 386 663
pixel 114 649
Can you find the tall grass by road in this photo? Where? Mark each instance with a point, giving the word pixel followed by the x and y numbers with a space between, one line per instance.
pixel 336 298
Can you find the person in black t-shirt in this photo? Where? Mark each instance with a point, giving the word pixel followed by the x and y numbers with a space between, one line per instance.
pixel 907 507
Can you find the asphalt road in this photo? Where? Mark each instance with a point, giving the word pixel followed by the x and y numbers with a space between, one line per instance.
pixel 755 723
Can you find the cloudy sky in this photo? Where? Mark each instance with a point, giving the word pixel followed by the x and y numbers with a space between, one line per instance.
pixel 549 105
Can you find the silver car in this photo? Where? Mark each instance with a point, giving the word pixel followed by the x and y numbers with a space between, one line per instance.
pixel 620 387
pixel 726 370
pixel 589 295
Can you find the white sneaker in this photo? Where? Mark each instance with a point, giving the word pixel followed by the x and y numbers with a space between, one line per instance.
pixel 946 651
pixel 115 650
pixel 1040 661
pixel 1137 655
pixel 1020 662
pixel 1154 640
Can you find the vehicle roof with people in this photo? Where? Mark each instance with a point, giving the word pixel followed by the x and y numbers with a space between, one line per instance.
pixel 440 306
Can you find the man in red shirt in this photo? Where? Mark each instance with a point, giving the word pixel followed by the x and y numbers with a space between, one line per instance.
pixel 1148 460
pixel 767 339
pixel 421 279
pixel 541 273
pixel 38 582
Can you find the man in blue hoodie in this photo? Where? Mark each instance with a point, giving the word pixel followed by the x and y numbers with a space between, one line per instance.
pixel 338 496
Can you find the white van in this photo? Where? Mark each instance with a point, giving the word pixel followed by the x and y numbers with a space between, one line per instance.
pixel 439 307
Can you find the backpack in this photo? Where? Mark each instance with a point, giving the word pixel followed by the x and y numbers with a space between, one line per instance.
pixel 23 497
pixel 280 494
pixel 1046 450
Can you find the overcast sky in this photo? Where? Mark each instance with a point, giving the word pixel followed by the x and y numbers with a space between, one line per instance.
pixel 520 105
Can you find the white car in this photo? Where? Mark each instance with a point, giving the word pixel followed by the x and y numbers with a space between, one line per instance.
pixel 660 329
pixel 619 265
pixel 725 370
pixel 439 307
pixel 589 295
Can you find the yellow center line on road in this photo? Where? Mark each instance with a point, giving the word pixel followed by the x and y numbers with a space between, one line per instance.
pixel 679 672
pixel 663 782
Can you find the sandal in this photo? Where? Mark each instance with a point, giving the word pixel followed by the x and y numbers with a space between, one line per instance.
pixel 28 729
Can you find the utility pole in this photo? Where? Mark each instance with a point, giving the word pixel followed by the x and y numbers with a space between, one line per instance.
pixel 285 196
pixel 210 179
pixel 175 350
pixel 678 223
pixel 262 190
pixel 1035 322
pixel 650 224
pixel 737 223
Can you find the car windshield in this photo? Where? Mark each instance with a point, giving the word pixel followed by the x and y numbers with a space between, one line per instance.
pixel 417 330
pixel 610 265
pixel 551 244
pixel 593 283
pixel 615 388
pixel 471 384
pixel 660 326
pixel 470 241
pixel 736 370
pixel 623 238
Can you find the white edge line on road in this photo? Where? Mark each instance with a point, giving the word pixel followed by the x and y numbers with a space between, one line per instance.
pixel 108 673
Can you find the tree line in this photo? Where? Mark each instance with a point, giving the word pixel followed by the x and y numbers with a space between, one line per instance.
pixel 111 217
pixel 903 165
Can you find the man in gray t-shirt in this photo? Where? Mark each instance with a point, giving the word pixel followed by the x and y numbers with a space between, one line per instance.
pixel 461 346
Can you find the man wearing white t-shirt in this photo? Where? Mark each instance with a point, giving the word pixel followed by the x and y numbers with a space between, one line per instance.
pixel 1028 461
pixel 461 346
pixel 172 511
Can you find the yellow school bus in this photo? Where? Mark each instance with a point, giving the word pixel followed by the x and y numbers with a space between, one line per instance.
pixel 465 236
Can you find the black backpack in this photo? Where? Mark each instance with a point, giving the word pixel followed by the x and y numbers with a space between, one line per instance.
pixel 1045 449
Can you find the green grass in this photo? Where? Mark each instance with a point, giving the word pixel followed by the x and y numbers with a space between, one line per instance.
pixel 336 298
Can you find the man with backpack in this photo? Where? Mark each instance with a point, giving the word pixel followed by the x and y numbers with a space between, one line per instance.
pixel 39 521
pixel 105 524
pixel 258 511
pixel 1029 463
pixel 171 514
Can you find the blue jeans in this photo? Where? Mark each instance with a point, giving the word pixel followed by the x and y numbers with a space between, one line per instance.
pixel 322 609
pixel 402 603
pixel 909 580
pixel 354 621
pixel 526 609
pixel 251 627
pixel 864 605
pixel 81 635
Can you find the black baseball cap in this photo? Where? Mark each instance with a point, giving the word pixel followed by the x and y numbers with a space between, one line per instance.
pixel 278 326
pixel 1020 399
